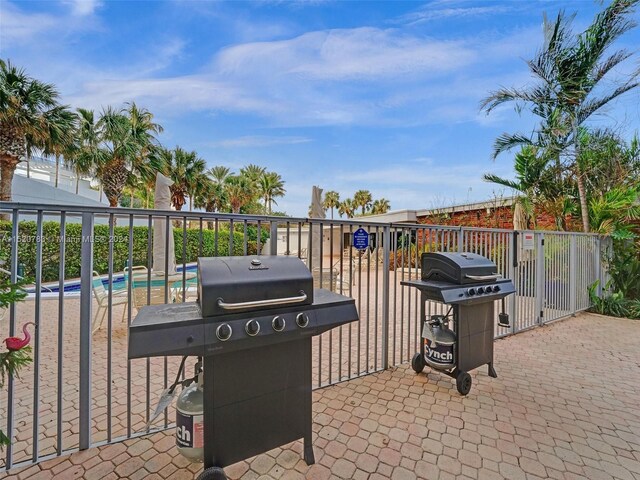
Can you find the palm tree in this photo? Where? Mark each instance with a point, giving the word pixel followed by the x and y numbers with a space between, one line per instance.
pixel 569 69
pixel 347 207
pixel 122 147
pixel 87 154
pixel 380 206
pixel 362 198
pixel 239 192
pixel 186 170
pixel 60 137
pixel 270 185
pixel 219 174
pixel 331 200
pixel 534 181
pixel 211 197
pixel 25 112
pixel 143 165
pixel 253 173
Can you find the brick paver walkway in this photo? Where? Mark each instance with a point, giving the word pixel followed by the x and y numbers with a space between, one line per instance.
pixel 565 405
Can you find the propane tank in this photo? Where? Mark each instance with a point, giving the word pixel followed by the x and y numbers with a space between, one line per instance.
pixel 189 421
pixel 440 342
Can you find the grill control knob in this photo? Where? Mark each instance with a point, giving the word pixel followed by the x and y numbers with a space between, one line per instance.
pixel 302 319
pixel 278 323
pixel 223 332
pixel 496 288
pixel 252 328
pixel 480 290
pixel 471 291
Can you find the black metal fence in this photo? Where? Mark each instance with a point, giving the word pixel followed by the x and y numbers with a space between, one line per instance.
pixel 90 269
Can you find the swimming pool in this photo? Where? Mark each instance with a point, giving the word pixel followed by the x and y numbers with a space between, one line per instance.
pixel 72 287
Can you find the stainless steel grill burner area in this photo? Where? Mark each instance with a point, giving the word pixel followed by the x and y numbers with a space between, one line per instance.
pixel 252 324
pixel 470 283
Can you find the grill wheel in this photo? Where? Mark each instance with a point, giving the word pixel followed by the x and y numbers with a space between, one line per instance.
pixel 463 383
pixel 418 363
pixel 213 473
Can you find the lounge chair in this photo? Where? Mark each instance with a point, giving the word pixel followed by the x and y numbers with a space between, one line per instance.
pixel 143 294
pixel 118 297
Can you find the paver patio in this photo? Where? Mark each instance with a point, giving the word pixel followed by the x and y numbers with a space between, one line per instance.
pixel 565 405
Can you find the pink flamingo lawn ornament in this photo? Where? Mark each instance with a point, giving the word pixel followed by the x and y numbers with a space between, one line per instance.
pixel 16 343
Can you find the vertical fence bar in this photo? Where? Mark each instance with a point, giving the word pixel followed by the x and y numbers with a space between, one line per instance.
pixel 61 276
pixel 539 280
pixel 598 265
pixel 112 223
pixel 512 263
pixel 273 236
pixel 12 331
pixel 385 295
pixel 36 341
pixel 86 278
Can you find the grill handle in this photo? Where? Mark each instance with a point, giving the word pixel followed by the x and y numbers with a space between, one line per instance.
pixel 262 303
pixel 482 278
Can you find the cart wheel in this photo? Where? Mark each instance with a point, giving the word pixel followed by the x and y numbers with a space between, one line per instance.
pixel 213 473
pixel 463 382
pixel 418 363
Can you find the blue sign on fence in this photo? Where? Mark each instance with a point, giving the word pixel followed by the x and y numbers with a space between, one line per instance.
pixel 361 239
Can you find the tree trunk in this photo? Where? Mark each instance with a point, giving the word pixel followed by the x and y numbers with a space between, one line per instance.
pixel 57 169
pixel 77 182
pixel 331 213
pixel 131 200
pixel 29 166
pixel 584 208
pixel 7 168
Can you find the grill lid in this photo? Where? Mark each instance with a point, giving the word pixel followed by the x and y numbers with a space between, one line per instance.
pixel 243 284
pixel 458 268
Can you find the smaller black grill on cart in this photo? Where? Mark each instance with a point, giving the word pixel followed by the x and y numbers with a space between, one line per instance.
pixel 470 284
pixel 252 323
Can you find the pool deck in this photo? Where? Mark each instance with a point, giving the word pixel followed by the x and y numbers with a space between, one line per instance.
pixel 565 406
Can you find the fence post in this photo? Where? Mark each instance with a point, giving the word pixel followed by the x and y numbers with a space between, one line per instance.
pixel 273 239
pixel 540 287
pixel 511 268
pixel 461 240
pixel 386 252
pixel 573 262
pixel 86 279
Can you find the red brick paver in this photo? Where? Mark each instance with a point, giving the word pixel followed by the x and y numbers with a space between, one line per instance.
pixel 565 405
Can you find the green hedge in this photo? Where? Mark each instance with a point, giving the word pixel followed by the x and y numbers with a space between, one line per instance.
pixel 51 246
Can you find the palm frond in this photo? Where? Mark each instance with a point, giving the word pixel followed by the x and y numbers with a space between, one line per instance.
pixel 507 141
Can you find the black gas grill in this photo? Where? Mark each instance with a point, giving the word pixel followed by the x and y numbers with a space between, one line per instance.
pixel 253 323
pixel 470 284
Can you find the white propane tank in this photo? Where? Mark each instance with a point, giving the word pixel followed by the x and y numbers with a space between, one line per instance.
pixel 189 422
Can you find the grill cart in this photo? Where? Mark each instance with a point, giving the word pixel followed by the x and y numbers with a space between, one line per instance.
pixel 252 326
pixel 470 284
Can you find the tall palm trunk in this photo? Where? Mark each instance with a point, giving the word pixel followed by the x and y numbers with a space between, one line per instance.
pixel 7 168
pixel 77 182
pixel 57 169
pixel 583 200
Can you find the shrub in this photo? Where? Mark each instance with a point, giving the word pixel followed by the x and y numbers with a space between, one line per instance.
pixel 624 268
pixel 209 244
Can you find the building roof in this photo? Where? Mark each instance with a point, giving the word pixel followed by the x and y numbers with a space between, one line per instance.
pixel 468 207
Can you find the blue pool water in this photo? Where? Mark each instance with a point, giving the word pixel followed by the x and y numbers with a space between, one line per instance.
pixel 119 283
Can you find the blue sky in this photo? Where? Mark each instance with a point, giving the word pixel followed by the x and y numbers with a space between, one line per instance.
pixel 344 95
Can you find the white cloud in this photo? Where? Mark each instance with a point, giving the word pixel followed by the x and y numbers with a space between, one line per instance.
pixel 430 12
pixel 83 8
pixel 260 141
pixel 361 53
pixel 16 25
